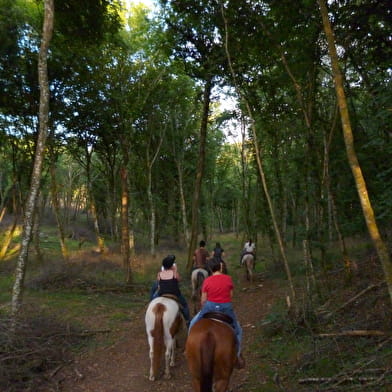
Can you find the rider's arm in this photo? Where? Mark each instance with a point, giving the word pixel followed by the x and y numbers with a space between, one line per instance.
pixel 203 298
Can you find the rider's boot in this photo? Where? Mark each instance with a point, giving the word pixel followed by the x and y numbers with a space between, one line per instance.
pixel 240 362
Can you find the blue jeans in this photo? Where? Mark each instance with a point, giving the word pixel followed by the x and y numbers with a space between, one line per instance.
pixel 184 305
pixel 226 308
pixel 154 290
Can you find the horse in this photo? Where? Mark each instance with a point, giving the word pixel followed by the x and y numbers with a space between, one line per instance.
pixel 163 322
pixel 210 351
pixel 197 278
pixel 248 260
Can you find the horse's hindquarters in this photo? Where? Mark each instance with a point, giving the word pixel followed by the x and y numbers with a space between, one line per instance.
pixel 211 354
pixel 163 322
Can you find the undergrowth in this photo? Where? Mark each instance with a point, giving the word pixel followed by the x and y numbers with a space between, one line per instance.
pixel 342 344
pixel 37 347
pixel 312 348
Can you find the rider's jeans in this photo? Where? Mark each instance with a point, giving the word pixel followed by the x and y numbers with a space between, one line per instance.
pixel 226 308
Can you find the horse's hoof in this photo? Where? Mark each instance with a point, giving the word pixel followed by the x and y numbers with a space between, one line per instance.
pixel 151 378
pixel 167 376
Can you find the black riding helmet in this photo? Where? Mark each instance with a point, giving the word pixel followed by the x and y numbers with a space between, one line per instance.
pixel 168 261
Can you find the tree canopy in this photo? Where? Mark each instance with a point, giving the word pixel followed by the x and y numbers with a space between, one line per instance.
pixel 126 96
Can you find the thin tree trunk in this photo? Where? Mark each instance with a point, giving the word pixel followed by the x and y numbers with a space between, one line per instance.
pixel 200 171
pixel 291 301
pixel 125 251
pixel 332 212
pixel 4 197
pixel 56 208
pixel 183 204
pixel 37 228
pixel 92 207
pixel 150 164
pixel 47 31
pixel 8 235
pixel 152 213
pixel 97 230
pixel 367 208
pixel 245 185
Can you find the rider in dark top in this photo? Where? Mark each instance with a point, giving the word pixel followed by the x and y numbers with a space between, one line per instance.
pixel 168 283
pixel 218 252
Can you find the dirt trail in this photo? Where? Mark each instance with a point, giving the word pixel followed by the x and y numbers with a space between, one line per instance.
pixel 124 366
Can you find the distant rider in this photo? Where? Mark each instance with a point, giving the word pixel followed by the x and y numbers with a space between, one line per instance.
pixel 249 248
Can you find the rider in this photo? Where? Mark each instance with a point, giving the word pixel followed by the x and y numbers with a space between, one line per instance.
pixel 216 296
pixel 218 252
pixel 249 248
pixel 167 282
pixel 200 256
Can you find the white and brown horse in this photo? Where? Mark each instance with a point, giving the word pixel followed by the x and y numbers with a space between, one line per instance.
pixel 197 278
pixel 248 260
pixel 163 322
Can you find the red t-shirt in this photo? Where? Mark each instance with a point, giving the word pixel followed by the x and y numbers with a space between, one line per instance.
pixel 218 288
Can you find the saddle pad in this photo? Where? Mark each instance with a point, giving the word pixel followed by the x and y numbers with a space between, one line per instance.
pixel 219 316
pixel 172 296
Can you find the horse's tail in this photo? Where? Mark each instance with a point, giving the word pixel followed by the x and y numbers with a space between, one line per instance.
pixel 157 334
pixel 207 350
pixel 199 279
pixel 198 283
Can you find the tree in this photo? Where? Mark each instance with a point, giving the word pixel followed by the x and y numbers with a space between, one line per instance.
pixel 47 32
pixel 367 208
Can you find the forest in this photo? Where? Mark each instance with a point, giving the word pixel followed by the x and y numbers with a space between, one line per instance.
pixel 130 130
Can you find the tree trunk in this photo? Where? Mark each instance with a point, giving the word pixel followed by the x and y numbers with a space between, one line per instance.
pixel 367 208
pixel 261 173
pixel 37 228
pixel 91 201
pixel 47 31
pixel 56 208
pixel 200 171
pixel 152 212
pixel 125 250
pixel 150 164
pixel 183 204
pixel 8 235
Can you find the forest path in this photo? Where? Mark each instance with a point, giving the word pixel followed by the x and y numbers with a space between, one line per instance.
pixel 124 366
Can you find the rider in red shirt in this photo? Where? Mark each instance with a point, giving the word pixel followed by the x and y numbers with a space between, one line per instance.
pixel 216 296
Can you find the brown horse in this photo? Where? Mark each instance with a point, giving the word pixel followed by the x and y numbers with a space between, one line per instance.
pixel 211 354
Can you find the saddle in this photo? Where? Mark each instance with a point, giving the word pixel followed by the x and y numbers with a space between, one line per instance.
pixel 219 316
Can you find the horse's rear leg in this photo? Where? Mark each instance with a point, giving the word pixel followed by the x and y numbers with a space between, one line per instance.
pixel 221 385
pixel 169 358
pixel 196 384
pixel 150 342
pixel 250 274
pixel 173 353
